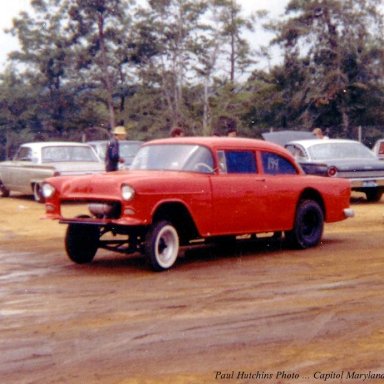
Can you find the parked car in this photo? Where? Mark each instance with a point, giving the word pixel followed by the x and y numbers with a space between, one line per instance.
pixel 128 149
pixel 34 162
pixel 347 159
pixel 378 149
pixel 179 190
pixel 285 136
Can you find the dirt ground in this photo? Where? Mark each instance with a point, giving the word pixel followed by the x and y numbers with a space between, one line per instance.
pixel 258 314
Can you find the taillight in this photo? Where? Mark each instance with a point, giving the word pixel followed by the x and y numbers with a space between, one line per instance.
pixel 332 171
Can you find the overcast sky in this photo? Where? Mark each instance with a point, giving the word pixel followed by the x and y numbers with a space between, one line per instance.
pixel 10 9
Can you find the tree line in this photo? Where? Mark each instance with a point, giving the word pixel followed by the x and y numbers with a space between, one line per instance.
pixel 85 66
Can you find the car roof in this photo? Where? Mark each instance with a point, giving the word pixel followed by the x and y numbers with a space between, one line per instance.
pixel 120 141
pixel 42 144
pixel 214 141
pixel 310 142
pixel 225 142
pixel 285 136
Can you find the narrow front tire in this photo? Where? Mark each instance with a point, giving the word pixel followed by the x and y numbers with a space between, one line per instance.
pixel 82 242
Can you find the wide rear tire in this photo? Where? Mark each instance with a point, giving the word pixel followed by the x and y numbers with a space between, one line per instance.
pixel 161 246
pixel 309 225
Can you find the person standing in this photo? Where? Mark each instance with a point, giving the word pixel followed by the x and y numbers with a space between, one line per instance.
pixel 318 133
pixel 112 154
pixel 177 132
pixel 232 132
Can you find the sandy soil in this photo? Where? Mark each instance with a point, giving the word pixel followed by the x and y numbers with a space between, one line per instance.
pixel 258 314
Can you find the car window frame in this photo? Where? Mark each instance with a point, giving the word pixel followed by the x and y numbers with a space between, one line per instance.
pixel 21 157
pixel 223 164
pixel 281 156
pixel 299 148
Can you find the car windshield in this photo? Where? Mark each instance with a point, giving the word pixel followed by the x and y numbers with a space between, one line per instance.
pixel 331 150
pixel 63 153
pixel 128 151
pixel 174 157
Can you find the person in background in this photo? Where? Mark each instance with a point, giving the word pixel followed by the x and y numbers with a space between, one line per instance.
pixel 112 154
pixel 177 132
pixel 231 132
pixel 318 133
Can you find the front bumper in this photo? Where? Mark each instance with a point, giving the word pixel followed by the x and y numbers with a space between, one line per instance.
pixel 98 213
pixel 367 183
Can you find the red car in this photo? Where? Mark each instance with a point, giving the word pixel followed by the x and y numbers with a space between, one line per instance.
pixel 182 189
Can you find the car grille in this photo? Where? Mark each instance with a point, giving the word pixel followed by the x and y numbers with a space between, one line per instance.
pixel 97 209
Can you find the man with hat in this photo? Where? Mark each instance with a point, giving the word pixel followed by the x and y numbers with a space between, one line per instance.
pixel 112 154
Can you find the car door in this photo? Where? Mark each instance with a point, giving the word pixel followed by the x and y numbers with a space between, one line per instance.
pixel 283 184
pixel 18 173
pixel 238 194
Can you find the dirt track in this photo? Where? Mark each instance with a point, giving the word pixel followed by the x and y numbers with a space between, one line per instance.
pixel 257 314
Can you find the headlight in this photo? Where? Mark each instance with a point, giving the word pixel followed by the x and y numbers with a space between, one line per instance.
pixel 47 190
pixel 127 192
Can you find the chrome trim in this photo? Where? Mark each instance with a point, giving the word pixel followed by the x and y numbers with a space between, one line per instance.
pixel 349 212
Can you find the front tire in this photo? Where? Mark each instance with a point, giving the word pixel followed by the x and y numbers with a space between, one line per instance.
pixel 309 225
pixel 82 242
pixel 37 195
pixel 162 246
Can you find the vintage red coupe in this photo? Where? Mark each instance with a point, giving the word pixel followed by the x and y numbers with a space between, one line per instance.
pixel 180 190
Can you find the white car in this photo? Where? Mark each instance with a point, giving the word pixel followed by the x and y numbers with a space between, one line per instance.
pixel 128 149
pixel 34 162
pixel 348 159
pixel 378 149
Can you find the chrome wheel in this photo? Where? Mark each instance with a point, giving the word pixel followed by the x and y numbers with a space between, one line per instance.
pixel 162 246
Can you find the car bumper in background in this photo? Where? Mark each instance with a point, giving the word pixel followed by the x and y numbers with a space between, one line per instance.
pixel 367 183
pixel 349 212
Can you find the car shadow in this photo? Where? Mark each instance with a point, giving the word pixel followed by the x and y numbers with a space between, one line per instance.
pixel 360 198
pixel 236 248
pixel 110 262
pixel 114 263
pixel 21 197
pixel 211 252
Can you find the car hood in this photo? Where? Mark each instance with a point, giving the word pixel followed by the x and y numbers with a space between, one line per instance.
pixel 76 168
pixel 152 182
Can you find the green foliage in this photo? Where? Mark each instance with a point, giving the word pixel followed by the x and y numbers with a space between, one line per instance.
pixel 336 48
pixel 88 65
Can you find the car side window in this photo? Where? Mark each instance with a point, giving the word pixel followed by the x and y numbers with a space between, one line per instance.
pixel 24 154
pixel 381 148
pixel 296 151
pixel 237 161
pixel 274 164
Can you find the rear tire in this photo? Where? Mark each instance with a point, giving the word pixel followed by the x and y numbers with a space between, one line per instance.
pixel 161 246
pixel 82 242
pixel 374 196
pixel 4 192
pixel 309 225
